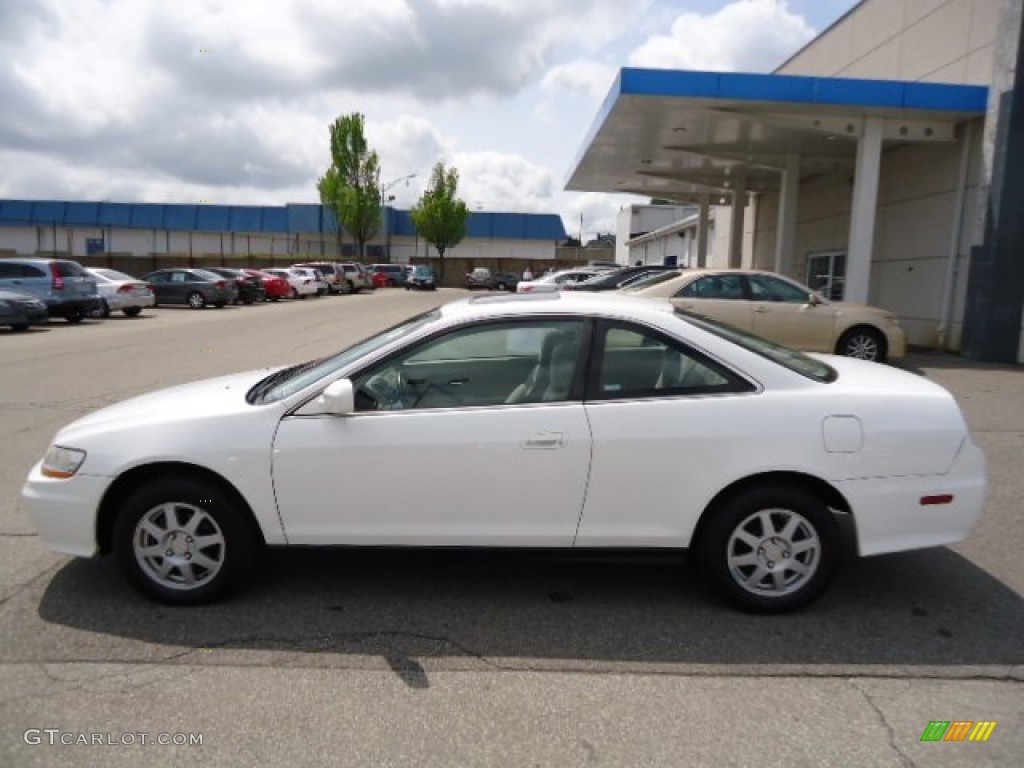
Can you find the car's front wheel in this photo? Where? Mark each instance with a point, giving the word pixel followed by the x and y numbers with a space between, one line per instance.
pixel 132 311
pixel 770 550
pixel 183 541
pixel 196 300
pixel 864 343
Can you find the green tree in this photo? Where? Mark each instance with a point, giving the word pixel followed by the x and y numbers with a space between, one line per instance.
pixel 440 217
pixel 351 185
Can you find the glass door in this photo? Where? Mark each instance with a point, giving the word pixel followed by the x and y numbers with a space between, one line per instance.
pixel 826 273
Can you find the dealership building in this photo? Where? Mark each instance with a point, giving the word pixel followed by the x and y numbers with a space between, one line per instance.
pixel 139 237
pixel 877 160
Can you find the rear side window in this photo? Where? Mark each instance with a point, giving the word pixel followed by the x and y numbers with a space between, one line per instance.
pixel 14 269
pixel 637 362
pixel 70 269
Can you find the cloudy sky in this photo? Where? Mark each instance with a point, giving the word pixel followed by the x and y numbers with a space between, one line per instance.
pixel 229 101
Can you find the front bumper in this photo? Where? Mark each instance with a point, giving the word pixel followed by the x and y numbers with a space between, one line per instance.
pixel 64 512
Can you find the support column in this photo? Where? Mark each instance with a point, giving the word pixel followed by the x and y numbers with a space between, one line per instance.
pixel 739 202
pixel 703 221
pixel 862 212
pixel 785 228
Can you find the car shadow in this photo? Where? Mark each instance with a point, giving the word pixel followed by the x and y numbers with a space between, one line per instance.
pixel 513 610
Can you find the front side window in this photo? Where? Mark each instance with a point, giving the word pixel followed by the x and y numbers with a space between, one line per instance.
pixel 501 363
pixel 768 288
pixel 634 362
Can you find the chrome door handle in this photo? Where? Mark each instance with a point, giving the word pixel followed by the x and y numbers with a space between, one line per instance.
pixel 546 440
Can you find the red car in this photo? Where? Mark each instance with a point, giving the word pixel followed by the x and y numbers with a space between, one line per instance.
pixel 274 286
pixel 380 280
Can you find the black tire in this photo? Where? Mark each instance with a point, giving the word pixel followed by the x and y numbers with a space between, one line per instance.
pixel 295 294
pixel 219 304
pixel 75 317
pixel 19 327
pixel 500 287
pixel 739 553
pixel 864 343
pixel 103 311
pixel 202 512
pixel 196 300
pixel 347 288
pixel 132 311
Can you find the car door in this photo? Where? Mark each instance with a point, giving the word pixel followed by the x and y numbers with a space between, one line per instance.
pixel 665 421
pixel 784 313
pixel 161 286
pixel 475 437
pixel 719 296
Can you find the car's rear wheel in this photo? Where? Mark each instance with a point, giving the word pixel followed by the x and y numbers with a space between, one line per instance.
pixel 183 541
pixel 196 300
pixel 75 317
pixel 102 311
pixel 863 343
pixel 771 549
pixel 347 287
pixel 132 311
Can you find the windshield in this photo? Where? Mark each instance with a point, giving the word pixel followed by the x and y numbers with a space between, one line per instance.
pixel 795 361
pixel 288 381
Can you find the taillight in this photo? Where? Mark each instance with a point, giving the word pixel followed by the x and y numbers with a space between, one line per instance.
pixel 220 285
pixel 57 283
pixel 126 288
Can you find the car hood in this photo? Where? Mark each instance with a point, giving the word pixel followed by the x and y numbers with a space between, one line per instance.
pixel 187 402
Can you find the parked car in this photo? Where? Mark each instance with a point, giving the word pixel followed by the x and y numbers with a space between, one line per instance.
pixel 420 278
pixel 302 285
pixel 20 310
pixel 358 277
pixel 63 285
pixel 318 279
pixel 332 274
pixel 639 426
pixel 248 287
pixel 274 287
pixel 614 279
pixel 555 281
pixel 479 278
pixel 193 286
pixel 394 275
pixel 121 292
pixel 782 310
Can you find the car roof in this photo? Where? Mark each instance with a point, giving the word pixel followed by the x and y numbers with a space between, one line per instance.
pixel 556 303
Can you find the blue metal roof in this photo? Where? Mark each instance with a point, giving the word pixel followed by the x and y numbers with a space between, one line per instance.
pixel 294 217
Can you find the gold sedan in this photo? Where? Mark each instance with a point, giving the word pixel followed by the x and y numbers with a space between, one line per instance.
pixel 781 310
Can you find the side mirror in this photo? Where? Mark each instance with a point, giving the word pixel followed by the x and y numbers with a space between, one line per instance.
pixel 813 299
pixel 339 398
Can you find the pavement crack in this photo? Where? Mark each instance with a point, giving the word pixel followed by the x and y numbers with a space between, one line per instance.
pixel 904 757
pixel 17 589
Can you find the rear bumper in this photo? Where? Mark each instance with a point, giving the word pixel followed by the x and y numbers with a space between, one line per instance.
pixel 890 517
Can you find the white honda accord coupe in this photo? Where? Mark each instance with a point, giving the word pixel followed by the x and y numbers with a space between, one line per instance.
pixel 638 426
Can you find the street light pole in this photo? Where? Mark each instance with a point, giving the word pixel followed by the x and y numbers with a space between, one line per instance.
pixel 384 200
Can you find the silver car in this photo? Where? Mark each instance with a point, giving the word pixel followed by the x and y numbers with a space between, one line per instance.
pixel 119 291
pixel 66 288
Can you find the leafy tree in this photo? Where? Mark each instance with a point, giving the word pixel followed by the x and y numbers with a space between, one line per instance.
pixel 440 217
pixel 351 185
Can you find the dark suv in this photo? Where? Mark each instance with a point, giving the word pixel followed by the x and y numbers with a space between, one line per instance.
pixel 66 288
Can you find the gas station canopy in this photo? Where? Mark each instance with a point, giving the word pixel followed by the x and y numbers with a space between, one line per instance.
pixel 682 134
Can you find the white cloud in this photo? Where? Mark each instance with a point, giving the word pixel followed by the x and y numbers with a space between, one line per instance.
pixel 494 181
pixel 746 35
pixel 582 76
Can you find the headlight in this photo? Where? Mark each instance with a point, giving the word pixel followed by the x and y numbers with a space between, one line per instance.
pixel 62 462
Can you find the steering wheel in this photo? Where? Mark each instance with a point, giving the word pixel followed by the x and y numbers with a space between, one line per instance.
pixel 387 389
